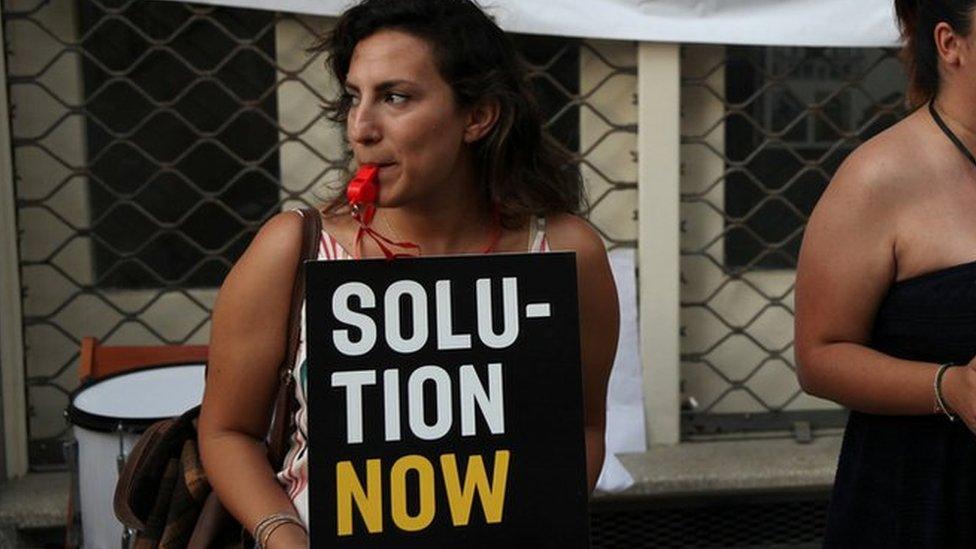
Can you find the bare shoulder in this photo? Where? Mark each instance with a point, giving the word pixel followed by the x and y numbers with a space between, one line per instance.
pixel 273 252
pixel 885 170
pixel 250 313
pixel 567 232
pixel 280 237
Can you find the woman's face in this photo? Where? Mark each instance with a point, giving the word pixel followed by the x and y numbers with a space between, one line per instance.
pixel 403 117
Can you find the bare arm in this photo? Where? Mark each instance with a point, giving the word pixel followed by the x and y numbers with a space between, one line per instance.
pixel 847 263
pixel 599 328
pixel 247 345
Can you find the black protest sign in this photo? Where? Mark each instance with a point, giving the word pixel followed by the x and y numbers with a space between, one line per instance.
pixel 445 403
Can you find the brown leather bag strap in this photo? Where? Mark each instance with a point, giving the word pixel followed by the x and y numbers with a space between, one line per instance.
pixel 283 410
pixel 312 227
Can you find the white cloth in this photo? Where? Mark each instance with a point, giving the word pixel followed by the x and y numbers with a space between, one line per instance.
pixel 625 396
pixel 861 23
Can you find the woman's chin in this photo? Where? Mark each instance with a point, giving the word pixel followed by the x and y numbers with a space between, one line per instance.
pixel 390 195
pixel 389 200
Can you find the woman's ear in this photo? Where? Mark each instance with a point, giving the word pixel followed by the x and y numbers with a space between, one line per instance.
pixel 482 117
pixel 947 42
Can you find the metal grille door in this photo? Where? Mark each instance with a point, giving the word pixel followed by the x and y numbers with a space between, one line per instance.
pixel 763 131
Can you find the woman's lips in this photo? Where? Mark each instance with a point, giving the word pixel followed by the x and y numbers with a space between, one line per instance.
pixel 382 168
pixel 385 173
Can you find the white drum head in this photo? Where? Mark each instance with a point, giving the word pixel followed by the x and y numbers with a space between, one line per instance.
pixel 137 399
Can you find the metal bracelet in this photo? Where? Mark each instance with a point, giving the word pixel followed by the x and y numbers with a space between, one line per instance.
pixel 270 530
pixel 940 404
pixel 267 526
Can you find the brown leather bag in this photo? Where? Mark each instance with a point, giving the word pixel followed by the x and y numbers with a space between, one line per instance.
pixel 163 493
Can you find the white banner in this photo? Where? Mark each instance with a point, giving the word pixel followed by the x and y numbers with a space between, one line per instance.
pixel 855 23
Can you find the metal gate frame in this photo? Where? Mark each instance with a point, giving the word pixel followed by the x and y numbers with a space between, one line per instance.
pixel 13 395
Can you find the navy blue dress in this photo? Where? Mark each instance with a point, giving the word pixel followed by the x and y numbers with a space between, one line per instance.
pixel 910 481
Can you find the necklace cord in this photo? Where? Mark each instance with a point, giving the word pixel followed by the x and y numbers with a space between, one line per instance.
pixel 950 134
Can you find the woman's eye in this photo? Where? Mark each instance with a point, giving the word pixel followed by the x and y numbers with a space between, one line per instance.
pixel 349 99
pixel 395 98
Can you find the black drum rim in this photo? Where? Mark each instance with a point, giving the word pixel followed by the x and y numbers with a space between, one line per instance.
pixel 109 424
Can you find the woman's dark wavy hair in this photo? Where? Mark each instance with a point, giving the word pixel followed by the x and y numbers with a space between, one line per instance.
pixel 918 19
pixel 523 170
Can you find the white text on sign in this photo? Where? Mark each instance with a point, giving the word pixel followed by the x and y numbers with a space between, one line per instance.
pixel 376 489
pixel 411 291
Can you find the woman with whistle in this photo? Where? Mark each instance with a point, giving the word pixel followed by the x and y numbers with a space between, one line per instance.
pixel 452 159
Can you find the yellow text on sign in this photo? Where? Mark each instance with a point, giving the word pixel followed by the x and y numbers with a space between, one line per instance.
pixel 368 499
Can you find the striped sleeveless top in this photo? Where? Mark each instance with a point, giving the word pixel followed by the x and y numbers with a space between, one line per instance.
pixel 294 473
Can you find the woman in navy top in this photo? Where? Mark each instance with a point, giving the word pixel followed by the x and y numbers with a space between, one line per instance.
pixel 886 303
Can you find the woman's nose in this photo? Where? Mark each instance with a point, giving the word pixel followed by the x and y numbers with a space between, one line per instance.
pixel 362 127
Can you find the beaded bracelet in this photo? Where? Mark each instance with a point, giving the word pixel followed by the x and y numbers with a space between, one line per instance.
pixel 270 523
pixel 940 404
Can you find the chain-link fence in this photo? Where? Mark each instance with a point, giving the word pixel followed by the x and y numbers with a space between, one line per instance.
pixel 151 140
pixel 763 131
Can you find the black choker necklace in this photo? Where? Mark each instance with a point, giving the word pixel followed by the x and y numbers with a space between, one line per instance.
pixel 952 136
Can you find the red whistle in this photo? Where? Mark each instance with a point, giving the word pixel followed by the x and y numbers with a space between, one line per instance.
pixel 361 193
pixel 362 188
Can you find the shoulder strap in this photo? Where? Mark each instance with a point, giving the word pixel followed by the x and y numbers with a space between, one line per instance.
pixel 539 230
pixel 312 233
pixel 283 409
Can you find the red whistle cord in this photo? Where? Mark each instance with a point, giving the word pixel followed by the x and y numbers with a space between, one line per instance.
pixel 382 242
pixel 362 192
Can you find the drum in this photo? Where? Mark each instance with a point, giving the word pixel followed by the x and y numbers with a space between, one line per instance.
pixel 108 415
